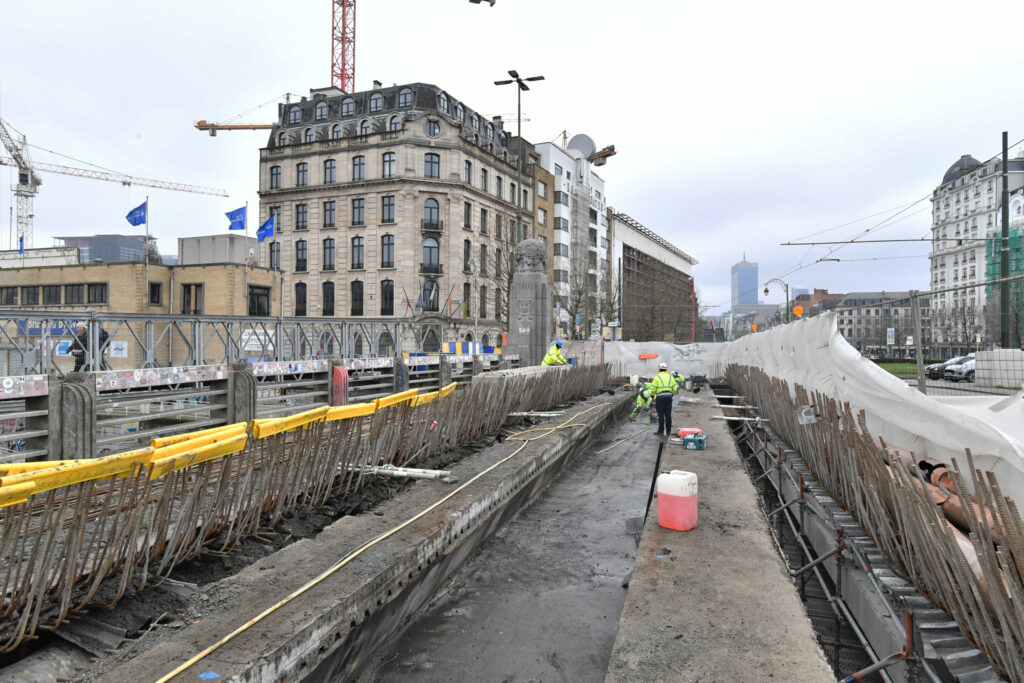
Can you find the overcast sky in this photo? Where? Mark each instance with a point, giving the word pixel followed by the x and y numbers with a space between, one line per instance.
pixel 738 125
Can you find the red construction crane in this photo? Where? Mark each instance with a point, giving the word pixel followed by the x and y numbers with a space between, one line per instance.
pixel 343 45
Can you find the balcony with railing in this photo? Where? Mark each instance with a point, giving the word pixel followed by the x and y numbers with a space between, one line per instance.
pixel 431 225
pixel 431 269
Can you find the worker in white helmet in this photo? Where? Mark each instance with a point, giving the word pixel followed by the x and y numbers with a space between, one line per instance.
pixel 664 387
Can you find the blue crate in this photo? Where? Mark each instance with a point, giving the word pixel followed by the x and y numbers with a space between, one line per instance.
pixel 695 442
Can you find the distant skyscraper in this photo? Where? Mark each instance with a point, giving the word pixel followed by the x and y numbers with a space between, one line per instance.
pixel 744 283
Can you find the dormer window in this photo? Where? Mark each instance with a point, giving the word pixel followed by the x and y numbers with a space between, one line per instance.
pixel 321 111
pixel 307 135
pixel 376 102
pixel 294 115
pixel 490 131
pixel 474 122
pixel 460 112
pixel 364 128
pixel 442 103
pixel 405 98
pixel 348 107
pixel 336 131
pixel 282 139
pixel 395 124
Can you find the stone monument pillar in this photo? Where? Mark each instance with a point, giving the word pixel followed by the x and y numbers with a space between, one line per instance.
pixel 529 324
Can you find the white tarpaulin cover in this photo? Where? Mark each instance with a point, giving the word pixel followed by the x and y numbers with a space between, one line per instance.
pixel 812 353
pixel 624 358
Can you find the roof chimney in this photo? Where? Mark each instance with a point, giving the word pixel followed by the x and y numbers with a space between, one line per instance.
pixel 498 122
pixel 376 85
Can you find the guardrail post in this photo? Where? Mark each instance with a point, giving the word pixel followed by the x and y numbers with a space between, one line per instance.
pixel 401 374
pixel 78 416
pixel 444 370
pixel 51 421
pixel 241 394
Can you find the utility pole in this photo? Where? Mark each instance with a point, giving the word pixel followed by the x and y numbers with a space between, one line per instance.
pixel 1004 252
pixel 915 309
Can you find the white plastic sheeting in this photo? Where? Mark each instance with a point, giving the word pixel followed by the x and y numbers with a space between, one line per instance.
pixel 624 358
pixel 813 354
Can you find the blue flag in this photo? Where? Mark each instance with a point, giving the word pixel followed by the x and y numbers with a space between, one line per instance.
pixel 237 218
pixel 21 244
pixel 266 230
pixel 137 216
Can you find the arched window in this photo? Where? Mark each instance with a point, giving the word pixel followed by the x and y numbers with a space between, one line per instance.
pixel 336 131
pixel 395 124
pixel 460 112
pixel 275 177
pixel 376 102
pixel 301 174
pixel 490 131
pixel 429 302
pixel 357 253
pixel 300 256
pixel 327 298
pixel 294 115
pixel 358 168
pixel 385 344
pixel 430 214
pixel 431 165
pixel 300 298
pixel 357 346
pixel 431 256
pixel 442 103
pixel 387 299
pixel 307 135
pixel 348 107
pixel 387 251
pixel 282 139
pixel 327 262
pixel 474 122
pixel 364 128
pixel 405 98
pixel 357 297
pixel 388 165
pixel 330 171
pixel 484 340
pixel 321 111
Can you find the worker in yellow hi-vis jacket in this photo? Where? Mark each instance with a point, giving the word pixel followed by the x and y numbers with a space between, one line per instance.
pixel 554 355
pixel 664 387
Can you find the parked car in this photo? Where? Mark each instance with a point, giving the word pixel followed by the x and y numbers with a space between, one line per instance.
pixel 937 370
pixel 961 371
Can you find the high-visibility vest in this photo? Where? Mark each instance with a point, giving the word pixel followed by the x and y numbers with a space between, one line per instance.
pixel 664 382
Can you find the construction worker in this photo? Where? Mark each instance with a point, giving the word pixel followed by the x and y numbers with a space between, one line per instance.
pixel 680 380
pixel 664 387
pixel 643 402
pixel 554 355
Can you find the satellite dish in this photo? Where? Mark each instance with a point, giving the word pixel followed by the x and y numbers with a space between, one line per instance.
pixel 583 144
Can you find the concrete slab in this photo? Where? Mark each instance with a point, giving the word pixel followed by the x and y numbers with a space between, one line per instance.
pixel 715 603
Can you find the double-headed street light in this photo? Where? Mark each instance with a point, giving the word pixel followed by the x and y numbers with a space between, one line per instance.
pixel 786 287
pixel 521 82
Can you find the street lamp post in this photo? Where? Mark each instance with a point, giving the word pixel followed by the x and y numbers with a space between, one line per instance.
pixel 786 287
pixel 521 82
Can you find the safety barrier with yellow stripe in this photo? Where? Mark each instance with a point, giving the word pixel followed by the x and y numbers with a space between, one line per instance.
pixel 18 481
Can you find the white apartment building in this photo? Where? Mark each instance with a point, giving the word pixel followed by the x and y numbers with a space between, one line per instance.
pixel 580 237
pixel 965 210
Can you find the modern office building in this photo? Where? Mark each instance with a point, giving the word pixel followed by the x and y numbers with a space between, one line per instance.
pixel 581 246
pixel 396 202
pixel 652 284
pixel 744 283
pixel 965 211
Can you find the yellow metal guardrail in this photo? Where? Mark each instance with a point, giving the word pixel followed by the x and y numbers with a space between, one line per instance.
pixel 167 454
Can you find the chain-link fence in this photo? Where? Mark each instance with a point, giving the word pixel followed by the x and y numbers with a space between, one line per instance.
pixel 959 340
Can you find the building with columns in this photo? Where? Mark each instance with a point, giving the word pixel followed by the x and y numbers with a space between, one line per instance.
pixel 396 202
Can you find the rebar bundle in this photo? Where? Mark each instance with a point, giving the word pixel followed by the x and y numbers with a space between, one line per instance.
pixel 975 573
pixel 78 533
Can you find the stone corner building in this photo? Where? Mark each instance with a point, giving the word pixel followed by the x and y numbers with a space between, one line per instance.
pixel 394 203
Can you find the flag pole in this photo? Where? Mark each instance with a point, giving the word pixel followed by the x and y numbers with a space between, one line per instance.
pixel 245 293
pixel 145 254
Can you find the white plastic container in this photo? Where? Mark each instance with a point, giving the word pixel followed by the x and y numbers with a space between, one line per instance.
pixel 677 500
